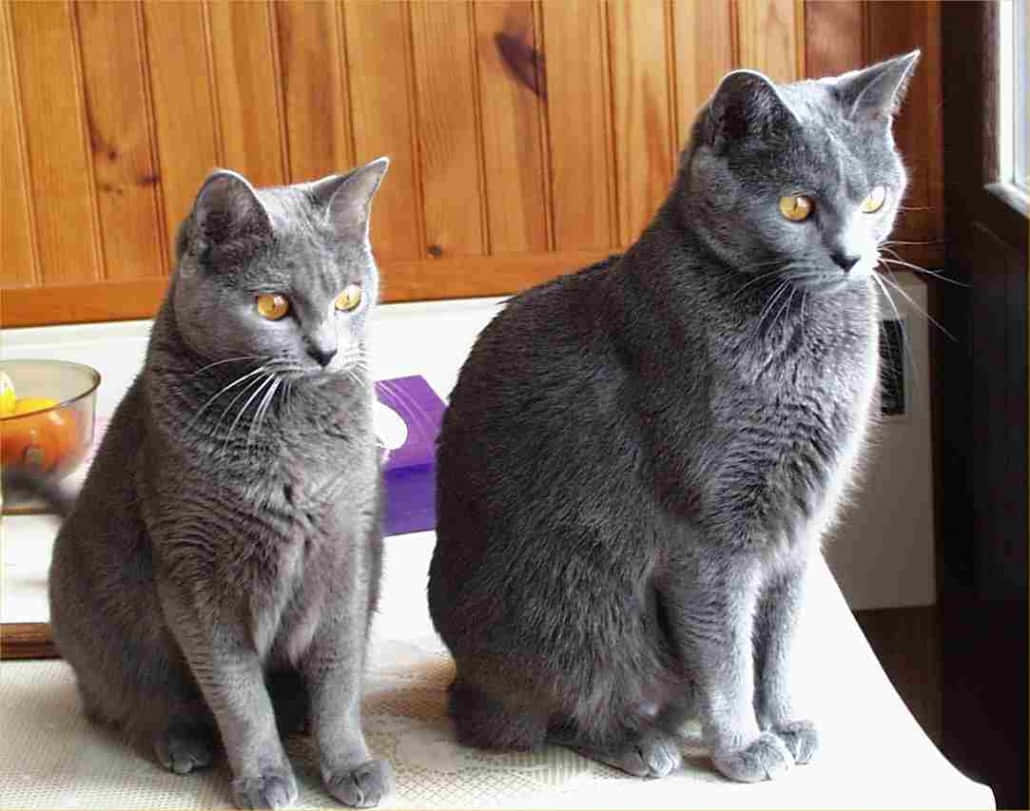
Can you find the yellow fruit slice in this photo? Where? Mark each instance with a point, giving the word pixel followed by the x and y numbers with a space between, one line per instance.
pixel 26 405
pixel 7 396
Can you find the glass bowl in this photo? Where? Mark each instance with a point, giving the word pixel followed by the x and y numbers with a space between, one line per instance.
pixel 51 440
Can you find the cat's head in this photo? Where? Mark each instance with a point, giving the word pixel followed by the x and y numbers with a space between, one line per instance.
pixel 278 274
pixel 800 178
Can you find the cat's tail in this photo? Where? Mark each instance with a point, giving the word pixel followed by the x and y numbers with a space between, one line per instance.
pixel 25 482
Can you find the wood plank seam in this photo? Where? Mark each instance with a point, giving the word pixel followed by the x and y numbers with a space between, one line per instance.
pixel 735 32
pixel 611 161
pixel 344 56
pixel 280 93
pixel 212 84
pixel 799 39
pixel 157 189
pixel 543 124
pixel 477 117
pixel 97 241
pixel 413 119
pixel 26 178
pixel 671 79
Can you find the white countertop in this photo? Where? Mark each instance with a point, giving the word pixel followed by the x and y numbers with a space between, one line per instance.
pixel 874 753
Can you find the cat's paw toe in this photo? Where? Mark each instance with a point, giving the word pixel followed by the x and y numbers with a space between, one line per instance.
pixel 273 789
pixel 183 752
pixel 659 755
pixel 651 755
pixel 800 738
pixel 765 758
pixel 361 787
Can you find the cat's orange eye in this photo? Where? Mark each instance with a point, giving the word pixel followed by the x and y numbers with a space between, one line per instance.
pixel 796 207
pixel 272 306
pixel 874 200
pixel 349 298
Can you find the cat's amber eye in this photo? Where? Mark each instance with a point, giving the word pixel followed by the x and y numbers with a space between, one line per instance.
pixel 874 200
pixel 796 207
pixel 349 298
pixel 272 306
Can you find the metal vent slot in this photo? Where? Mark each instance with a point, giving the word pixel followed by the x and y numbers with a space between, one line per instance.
pixel 892 368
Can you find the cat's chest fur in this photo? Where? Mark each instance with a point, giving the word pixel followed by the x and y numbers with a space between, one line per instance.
pixel 793 411
pixel 277 522
pixel 763 446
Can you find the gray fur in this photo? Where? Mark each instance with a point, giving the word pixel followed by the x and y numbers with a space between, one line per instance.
pixel 639 459
pixel 226 545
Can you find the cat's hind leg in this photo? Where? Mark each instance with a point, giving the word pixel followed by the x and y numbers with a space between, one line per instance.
pixel 487 721
pixel 185 745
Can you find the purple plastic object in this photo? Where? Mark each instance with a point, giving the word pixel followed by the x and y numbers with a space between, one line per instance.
pixel 410 470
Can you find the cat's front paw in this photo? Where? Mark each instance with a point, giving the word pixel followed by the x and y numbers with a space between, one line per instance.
pixel 361 787
pixel 765 758
pixel 800 738
pixel 273 789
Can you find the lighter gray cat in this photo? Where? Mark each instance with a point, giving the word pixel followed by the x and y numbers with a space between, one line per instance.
pixel 222 562
pixel 639 460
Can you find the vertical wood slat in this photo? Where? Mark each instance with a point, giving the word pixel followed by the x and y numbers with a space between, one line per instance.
pixel 317 107
pixel 116 114
pixel 768 32
pixel 183 104
pixel 381 87
pixel 641 115
pixel 575 43
pixel 703 48
pixel 895 28
pixel 512 150
pixel 247 91
pixel 18 261
pixel 449 140
pixel 59 164
pixel 835 36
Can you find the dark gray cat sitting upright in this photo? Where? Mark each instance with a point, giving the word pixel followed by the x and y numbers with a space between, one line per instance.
pixel 639 459
pixel 226 544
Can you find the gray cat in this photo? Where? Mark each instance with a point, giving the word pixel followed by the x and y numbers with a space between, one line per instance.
pixel 226 548
pixel 639 459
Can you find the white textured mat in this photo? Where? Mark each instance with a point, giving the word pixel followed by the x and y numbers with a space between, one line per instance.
pixel 873 756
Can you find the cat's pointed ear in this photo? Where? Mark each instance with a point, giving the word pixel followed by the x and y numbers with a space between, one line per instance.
pixel 227 207
pixel 348 198
pixel 745 105
pixel 873 95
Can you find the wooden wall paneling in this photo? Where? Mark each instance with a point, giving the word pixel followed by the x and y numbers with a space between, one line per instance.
pixel 703 52
pixel 48 72
pixel 450 144
pixel 406 280
pixel 513 155
pixel 835 36
pixel 246 70
pixel 575 47
pixel 895 28
pixel 641 58
pixel 316 104
pixel 770 34
pixel 382 90
pixel 184 111
pixel 118 117
pixel 18 263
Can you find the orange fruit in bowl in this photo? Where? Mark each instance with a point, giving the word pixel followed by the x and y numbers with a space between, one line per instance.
pixel 7 396
pixel 26 405
pixel 39 440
